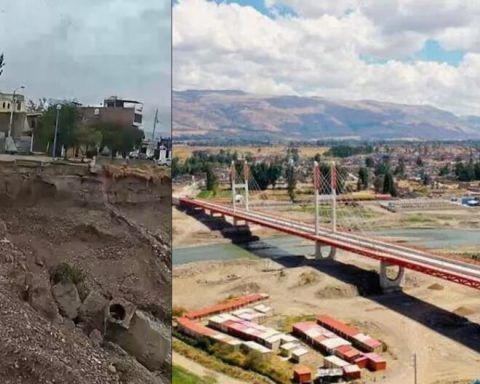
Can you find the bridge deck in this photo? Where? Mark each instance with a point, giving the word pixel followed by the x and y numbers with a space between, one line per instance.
pixel 442 267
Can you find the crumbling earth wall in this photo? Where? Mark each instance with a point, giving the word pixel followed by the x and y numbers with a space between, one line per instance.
pixel 82 217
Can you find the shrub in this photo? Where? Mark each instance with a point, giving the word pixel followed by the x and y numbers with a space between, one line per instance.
pixel 178 311
pixel 66 273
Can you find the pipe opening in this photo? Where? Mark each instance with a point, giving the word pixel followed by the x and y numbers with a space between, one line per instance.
pixel 117 312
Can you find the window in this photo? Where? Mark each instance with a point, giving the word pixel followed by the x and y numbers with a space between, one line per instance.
pixel 137 118
pixel 8 105
pixel 4 105
pixel 19 105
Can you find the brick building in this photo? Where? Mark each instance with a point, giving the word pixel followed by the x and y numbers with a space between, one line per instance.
pixel 115 110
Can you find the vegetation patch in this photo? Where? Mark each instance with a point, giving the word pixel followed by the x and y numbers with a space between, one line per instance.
pixel 417 219
pixel 66 273
pixel 286 323
pixel 183 376
pixel 195 350
pixel 178 311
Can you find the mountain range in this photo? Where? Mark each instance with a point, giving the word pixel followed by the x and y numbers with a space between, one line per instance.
pixel 234 114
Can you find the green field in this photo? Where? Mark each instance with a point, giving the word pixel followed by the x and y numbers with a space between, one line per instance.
pixel 182 376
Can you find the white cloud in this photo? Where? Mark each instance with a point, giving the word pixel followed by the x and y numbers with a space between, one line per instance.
pixel 88 50
pixel 228 46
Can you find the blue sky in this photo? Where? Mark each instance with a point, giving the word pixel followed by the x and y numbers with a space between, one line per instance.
pixel 260 6
pixel 433 51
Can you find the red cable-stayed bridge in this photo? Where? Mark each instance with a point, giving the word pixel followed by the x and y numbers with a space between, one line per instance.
pixel 405 257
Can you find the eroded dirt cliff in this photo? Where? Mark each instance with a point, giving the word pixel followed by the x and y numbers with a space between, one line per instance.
pixel 112 227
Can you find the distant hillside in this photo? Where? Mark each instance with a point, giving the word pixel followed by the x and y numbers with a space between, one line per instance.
pixel 212 114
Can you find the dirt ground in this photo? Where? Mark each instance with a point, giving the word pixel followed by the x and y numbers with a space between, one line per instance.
pixel 184 151
pixel 434 319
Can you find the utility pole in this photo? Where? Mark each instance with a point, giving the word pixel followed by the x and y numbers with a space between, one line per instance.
pixel 155 124
pixel 54 151
pixel 415 367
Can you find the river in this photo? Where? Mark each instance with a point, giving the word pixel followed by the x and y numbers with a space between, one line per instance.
pixel 279 246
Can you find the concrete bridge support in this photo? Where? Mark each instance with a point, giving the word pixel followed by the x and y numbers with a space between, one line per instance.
pixel 239 222
pixel 387 283
pixel 321 251
pixel 216 214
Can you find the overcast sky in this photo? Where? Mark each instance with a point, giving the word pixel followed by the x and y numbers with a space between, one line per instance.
pixel 407 51
pixel 88 50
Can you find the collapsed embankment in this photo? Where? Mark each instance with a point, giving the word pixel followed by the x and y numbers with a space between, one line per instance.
pixel 75 239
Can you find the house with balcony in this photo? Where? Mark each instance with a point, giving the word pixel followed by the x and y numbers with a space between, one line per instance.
pixel 115 110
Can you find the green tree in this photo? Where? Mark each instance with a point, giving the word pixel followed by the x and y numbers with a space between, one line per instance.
pixel 68 121
pixel 260 175
pixel 400 168
pixel 477 170
pixel 389 185
pixel 291 182
pixel 88 138
pixel 362 179
pixel 211 182
pixel 465 172
pixel 177 167
pixel 119 138
pixel 444 171
pixel 369 163
pixel 382 168
pixel 378 183
pixel 274 172
pixel 342 150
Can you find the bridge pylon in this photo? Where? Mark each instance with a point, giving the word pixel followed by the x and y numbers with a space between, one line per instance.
pixel 320 255
pixel 236 186
pixel 387 283
pixel 318 186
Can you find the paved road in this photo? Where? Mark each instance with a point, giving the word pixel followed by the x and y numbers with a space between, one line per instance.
pixel 38 159
pixel 201 371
